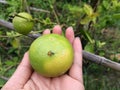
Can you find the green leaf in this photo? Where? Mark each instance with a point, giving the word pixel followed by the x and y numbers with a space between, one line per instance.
pixel 100 44
pixel 2 82
pixel 48 20
pixel 116 16
pixel 101 53
pixel 75 10
pixel 106 4
pixel 116 3
pixel 88 9
pixel 12 34
pixel 89 47
pixel 85 20
pixel 15 43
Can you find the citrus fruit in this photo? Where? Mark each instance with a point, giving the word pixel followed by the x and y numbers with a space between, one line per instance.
pixel 51 55
pixel 23 23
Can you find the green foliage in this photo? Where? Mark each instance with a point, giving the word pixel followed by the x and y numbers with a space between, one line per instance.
pixel 108 13
pixel 101 78
pixel 13 6
pixel 7 68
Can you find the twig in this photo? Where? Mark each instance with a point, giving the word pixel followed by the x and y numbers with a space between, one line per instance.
pixel 39 10
pixel 55 14
pixel 86 55
pixel 6 24
pixel 4 78
pixel 26 5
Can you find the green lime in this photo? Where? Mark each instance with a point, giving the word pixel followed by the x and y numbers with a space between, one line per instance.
pixel 51 55
pixel 23 23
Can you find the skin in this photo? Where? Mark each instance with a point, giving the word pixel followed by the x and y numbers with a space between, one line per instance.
pixel 25 78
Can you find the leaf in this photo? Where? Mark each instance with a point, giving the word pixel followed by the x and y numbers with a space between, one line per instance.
pixel 12 34
pixel 94 16
pixel 47 21
pixel 100 44
pixel 88 9
pixel 115 3
pixel 75 10
pixel 101 53
pixel 116 16
pixel 89 47
pixel 106 4
pixel 85 20
pixel 15 43
pixel 2 82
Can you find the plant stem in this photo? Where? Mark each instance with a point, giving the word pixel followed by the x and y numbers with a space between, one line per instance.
pixel 4 78
pixel 22 6
pixel 55 14
pixel 26 5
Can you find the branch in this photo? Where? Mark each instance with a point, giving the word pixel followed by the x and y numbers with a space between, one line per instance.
pixel 6 24
pixel 86 55
pixel 101 60
pixel 39 10
pixel 3 1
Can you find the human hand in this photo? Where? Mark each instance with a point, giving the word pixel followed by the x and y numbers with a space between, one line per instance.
pixel 25 78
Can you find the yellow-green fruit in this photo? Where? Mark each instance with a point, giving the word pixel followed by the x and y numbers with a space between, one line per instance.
pixel 51 55
pixel 23 23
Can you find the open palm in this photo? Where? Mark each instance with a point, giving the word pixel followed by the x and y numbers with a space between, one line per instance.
pixel 25 78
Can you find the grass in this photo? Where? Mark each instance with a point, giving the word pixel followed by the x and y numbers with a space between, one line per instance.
pixel 97 77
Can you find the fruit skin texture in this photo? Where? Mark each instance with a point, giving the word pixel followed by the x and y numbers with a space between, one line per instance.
pixel 51 55
pixel 23 24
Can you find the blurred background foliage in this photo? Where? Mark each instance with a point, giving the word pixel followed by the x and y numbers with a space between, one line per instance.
pixel 96 22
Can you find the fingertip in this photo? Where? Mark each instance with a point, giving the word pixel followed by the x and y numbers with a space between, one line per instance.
pixel 77 45
pixel 47 31
pixel 26 54
pixel 57 29
pixel 70 34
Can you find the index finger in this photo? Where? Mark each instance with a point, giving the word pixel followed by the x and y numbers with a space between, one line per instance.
pixel 76 69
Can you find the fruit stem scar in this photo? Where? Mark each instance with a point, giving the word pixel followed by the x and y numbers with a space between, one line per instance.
pixel 50 53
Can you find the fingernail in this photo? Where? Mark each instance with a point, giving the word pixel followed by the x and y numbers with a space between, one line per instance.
pixel 78 38
pixel 58 26
pixel 70 27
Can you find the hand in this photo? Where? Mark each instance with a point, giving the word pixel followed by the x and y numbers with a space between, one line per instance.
pixel 25 78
